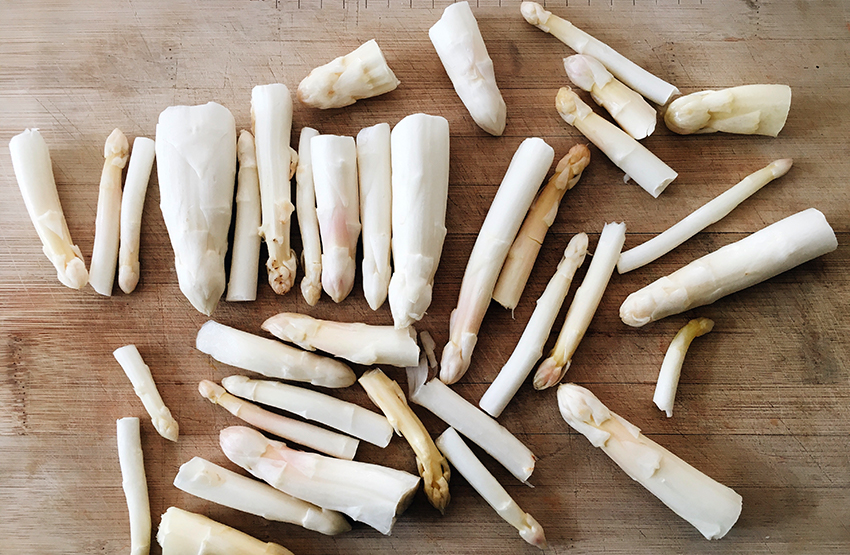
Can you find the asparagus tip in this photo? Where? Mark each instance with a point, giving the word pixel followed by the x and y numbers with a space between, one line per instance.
pixel 549 373
pixel 210 390
pixel 282 274
pixel 534 533
pixel 534 13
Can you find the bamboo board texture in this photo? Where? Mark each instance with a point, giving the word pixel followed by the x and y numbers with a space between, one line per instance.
pixel 763 401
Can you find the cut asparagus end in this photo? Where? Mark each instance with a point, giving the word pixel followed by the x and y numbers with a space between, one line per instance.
pixel 671 368
pixel 748 110
pixel 140 376
pixel 245 259
pixel 132 205
pixel 135 484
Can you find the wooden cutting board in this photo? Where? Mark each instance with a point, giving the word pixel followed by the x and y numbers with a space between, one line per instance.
pixel 763 401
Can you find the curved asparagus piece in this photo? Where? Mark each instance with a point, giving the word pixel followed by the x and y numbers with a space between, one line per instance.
pixel 432 465
pixel 363 73
pixel 711 212
pixel 671 368
pixel 368 493
pixel 135 484
pixel 637 78
pixel 709 506
pixel 748 110
pixel 458 43
pixel 420 177
pixel 245 258
pixel 514 197
pixel 530 347
pixel 755 258
pixel 520 261
pixel 465 462
pixel 583 307
pixel 271 358
pixel 308 221
pixel 640 164
pixel 211 482
pixel 132 204
pixel 140 376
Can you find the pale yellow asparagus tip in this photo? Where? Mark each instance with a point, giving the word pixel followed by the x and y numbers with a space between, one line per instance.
pixel 210 390
pixel 570 167
pixel 570 106
pixel 550 372
pixel 534 533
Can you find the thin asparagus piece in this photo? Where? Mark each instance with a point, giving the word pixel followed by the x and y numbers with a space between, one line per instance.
pixel 135 484
pixel 143 385
pixel 132 204
pixel 428 346
pixel 308 221
pixel 671 368
pixel 749 110
pixel 245 260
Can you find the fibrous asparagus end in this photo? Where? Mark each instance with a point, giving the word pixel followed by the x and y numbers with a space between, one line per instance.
pixel 570 106
pixel 549 373
pixel 535 14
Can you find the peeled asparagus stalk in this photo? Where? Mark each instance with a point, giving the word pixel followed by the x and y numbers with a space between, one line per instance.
pixel 432 465
pixel 368 493
pixel 375 176
pixel 465 462
pixel 184 533
pixel 583 307
pixel 671 368
pixel 245 259
pixel 196 168
pixel 363 73
pixel 522 180
pixel 308 222
pixel 637 78
pixel 520 261
pixel 132 205
pixel 530 347
pixel 709 506
pixel 359 343
pixel 749 110
pixel 330 411
pixel 34 173
pixel 640 164
pixel 334 162
pixel 135 484
pixel 211 482
pixel 271 358
pixel 458 43
pixel 755 258
pixel 143 385
pixel 420 178
pixel 711 212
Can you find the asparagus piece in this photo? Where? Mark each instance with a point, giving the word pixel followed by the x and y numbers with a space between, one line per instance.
pixel 522 180
pixel 34 173
pixel 135 484
pixel 140 376
pixel 530 347
pixel 245 261
pixel 749 110
pixel 132 204
pixel 308 222
pixel 671 368
pixel 709 506
pixel 428 346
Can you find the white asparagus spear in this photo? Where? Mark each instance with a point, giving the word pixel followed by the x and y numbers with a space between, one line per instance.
pixel 637 78
pixel 144 387
pixel 271 358
pixel 583 307
pixel 308 221
pixel 458 43
pixel 271 118
pixel 711 212
pixel 245 258
pixel 525 248
pixel 529 349
pixel 368 493
pixel 311 405
pixel 375 175
pixel 466 418
pixel 514 197
pixel 360 343
pixel 766 253
pixel 34 173
pixel 749 110
pixel 465 462
pixel 334 162
pixel 709 506
pixel 671 368
pixel 420 176
pixel 209 481
pixel 135 484
pixel 628 108
pixel 363 73
pixel 107 230
pixel 184 533
pixel 640 164
pixel 132 204
pixel 196 169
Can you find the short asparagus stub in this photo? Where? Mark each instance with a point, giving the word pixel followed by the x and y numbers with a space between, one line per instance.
pixel 132 205
pixel 308 221
pixel 465 462
pixel 368 493
pixel 135 484
pixel 201 478
pixel 145 388
pixel 766 253
pixel 34 174
pixel 671 368
pixel 747 110
pixel 530 347
pixel 513 199
pixel 640 164
pixel 709 506
pixel 584 305
pixel 711 212
pixel 245 258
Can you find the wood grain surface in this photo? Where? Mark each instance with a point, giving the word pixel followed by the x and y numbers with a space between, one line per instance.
pixel 764 400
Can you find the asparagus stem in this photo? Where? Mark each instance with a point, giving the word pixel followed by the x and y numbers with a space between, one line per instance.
pixel 132 205
pixel 749 110
pixel 428 346
pixel 245 260
pixel 135 484
pixel 308 222
pixel 671 368
pixel 140 376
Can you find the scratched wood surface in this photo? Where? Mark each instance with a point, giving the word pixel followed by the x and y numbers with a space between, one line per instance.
pixel 763 401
